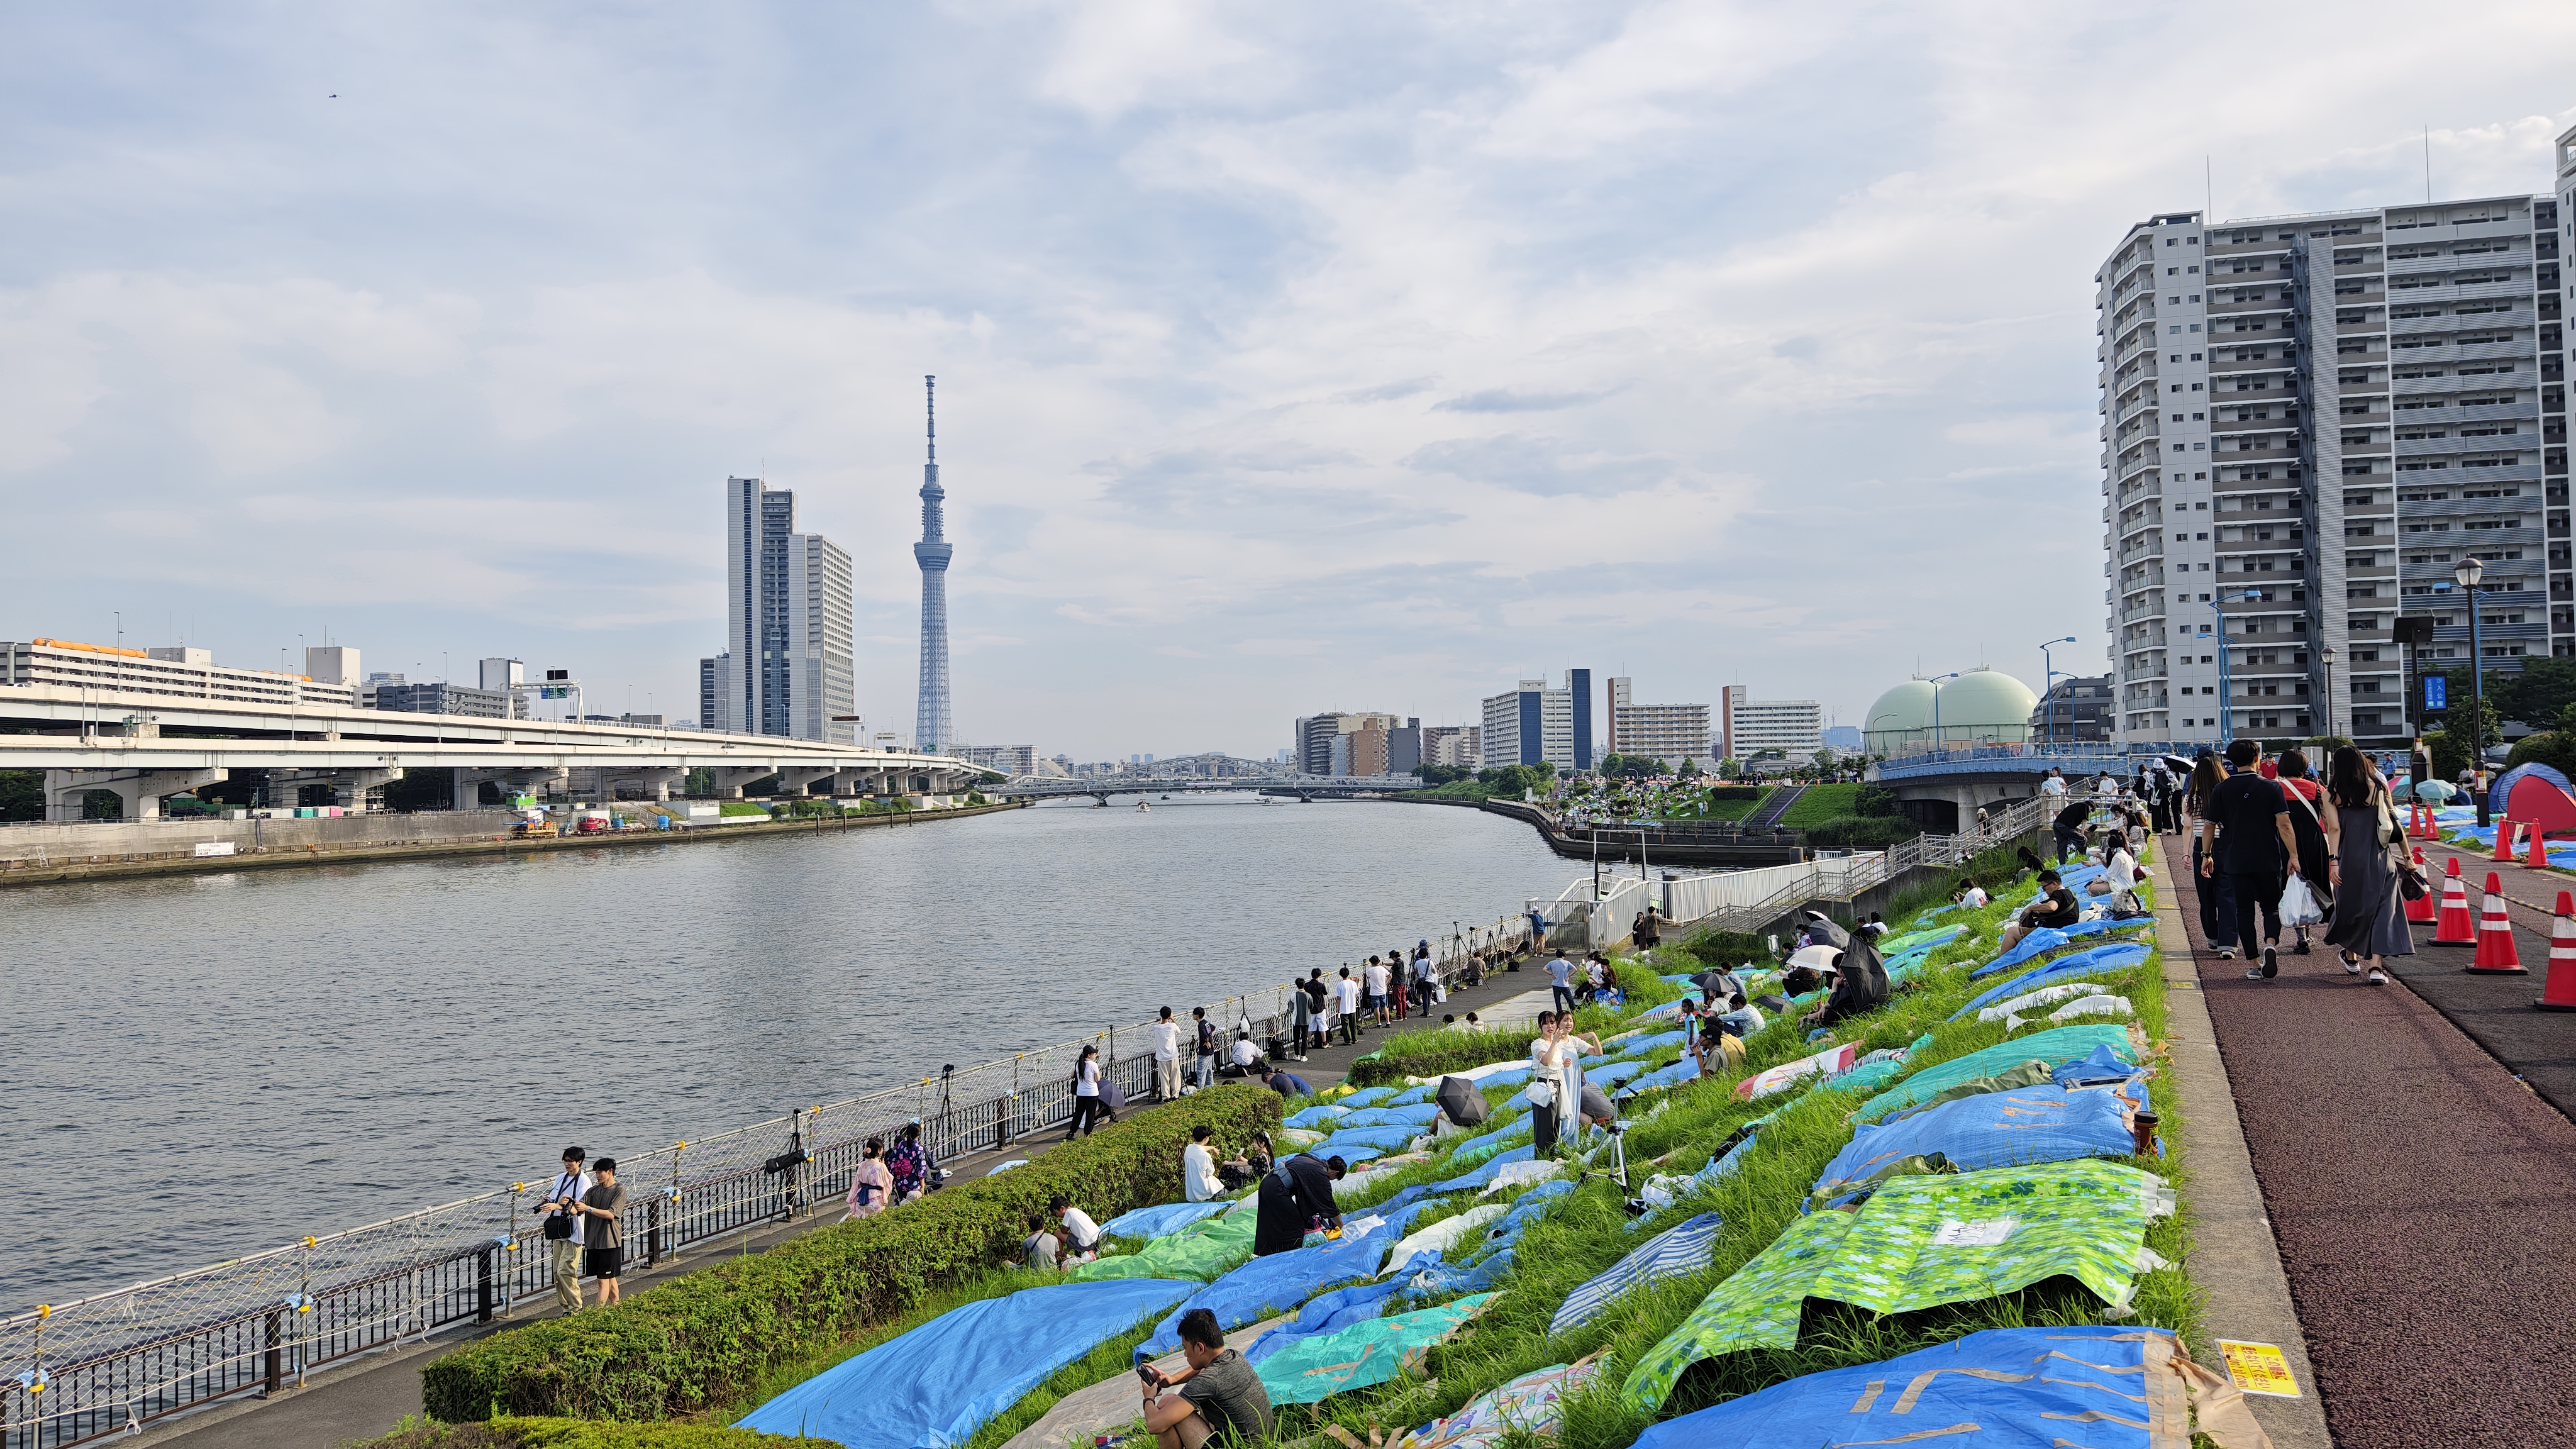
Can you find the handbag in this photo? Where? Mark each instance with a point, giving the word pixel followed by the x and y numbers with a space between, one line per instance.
pixel 2322 891
pixel 558 1225
pixel 1540 1094
pixel 2411 883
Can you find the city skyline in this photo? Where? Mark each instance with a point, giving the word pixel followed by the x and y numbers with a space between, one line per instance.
pixel 1279 380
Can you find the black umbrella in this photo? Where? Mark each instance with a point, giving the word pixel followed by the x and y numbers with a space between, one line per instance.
pixel 1822 931
pixel 1460 1101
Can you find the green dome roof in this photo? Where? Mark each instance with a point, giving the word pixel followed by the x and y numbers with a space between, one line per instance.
pixel 1981 706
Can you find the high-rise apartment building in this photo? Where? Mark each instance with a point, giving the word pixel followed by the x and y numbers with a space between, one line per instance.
pixel 1532 725
pixel 2308 421
pixel 1669 732
pixel 1748 726
pixel 787 667
pixel 1453 745
pixel 1317 732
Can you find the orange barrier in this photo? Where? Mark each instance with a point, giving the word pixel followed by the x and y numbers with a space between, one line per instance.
pixel 2420 909
pixel 2504 838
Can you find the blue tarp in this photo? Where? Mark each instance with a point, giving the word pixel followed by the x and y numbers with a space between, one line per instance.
pixel 1995 1129
pixel 1440 1280
pixel 1371 1141
pixel 936 1385
pixel 1415 1115
pixel 1272 1285
pixel 1475 1147
pixel 2009 1388
pixel 1411 1095
pixel 2107 960
pixel 2046 938
pixel 1485 1174
pixel 2063 1044
pixel 1677 1250
pixel 1685 1070
pixel 1171 1217
pixel 1533 1204
pixel 1332 1311
pixel 1367 1097
pixel 1322 1115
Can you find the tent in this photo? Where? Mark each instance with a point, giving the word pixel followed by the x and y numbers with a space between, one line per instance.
pixel 1684 1248
pixel 936 1385
pixel 1995 1129
pixel 2060 1044
pixel 1920 1242
pixel 1274 1284
pixel 1369 1351
pixel 2129 1388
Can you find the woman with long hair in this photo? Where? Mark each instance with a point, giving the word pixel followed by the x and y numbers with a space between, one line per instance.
pixel 2369 919
pixel 2307 822
pixel 2217 902
pixel 1086 1094
pixel 870 1184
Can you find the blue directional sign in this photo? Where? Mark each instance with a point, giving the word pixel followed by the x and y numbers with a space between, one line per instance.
pixel 2437 692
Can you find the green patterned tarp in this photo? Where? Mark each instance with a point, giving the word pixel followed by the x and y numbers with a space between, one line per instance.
pixel 1204 1250
pixel 1371 1351
pixel 2064 1044
pixel 1919 1243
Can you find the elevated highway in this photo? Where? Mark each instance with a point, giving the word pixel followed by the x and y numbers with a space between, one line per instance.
pixel 1299 787
pixel 146 747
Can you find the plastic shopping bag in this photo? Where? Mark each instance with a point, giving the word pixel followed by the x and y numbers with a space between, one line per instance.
pixel 2299 904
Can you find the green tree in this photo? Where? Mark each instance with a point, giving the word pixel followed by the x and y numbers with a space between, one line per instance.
pixel 1730 768
pixel 2554 748
pixel 2536 695
pixel 1690 770
pixel 2450 753
pixel 990 778
pixel 22 794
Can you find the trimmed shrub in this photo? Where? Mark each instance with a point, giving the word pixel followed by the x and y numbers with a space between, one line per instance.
pixel 539 1433
pixel 2554 748
pixel 704 1338
pixel 1862 832
pixel 1737 792
pixel 1430 1053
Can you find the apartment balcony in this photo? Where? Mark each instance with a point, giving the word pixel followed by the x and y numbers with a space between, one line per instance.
pixel 2272 301
pixel 2227 364
pixel 2524 413
pixel 2373 319
pixel 2461 291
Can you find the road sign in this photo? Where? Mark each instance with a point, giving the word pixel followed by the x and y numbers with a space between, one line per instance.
pixel 2437 692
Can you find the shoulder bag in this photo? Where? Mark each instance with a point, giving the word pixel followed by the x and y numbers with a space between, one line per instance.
pixel 558 1224
pixel 2323 890
pixel 2411 883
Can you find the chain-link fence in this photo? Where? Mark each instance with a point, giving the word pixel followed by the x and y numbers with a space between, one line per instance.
pixel 117 1361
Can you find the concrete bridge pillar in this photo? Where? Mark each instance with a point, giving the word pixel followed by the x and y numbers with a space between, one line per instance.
pixel 603 782
pixel 794 779
pixel 731 778
pixel 141 791
pixel 526 780
pixel 857 780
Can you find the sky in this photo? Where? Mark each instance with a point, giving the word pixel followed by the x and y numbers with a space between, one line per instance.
pixel 1291 358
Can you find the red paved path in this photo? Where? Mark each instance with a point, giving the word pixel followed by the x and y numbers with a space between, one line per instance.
pixel 2424 1200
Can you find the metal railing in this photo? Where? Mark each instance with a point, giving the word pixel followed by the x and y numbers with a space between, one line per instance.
pixel 116 1361
pixel 1844 878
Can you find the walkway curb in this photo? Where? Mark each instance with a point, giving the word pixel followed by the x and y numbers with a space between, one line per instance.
pixel 2234 1258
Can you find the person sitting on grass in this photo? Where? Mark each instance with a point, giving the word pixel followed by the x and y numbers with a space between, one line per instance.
pixel 1081 1234
pixel 1217 1400
pixel 1970 895
pixel 2058 911
pixel 1041 1249
pixel 1283 1081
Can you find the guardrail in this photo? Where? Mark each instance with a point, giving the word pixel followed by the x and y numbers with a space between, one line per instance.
pixel 116 1361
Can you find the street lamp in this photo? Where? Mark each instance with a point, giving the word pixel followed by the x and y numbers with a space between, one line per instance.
pixel 1936 707
pixel 2227 701
pixel 2328 655
pixel 2467 572
pixel 2048 676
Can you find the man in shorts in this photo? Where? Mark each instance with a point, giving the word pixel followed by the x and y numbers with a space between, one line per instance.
pixel 604 1251
pixel 1217 1400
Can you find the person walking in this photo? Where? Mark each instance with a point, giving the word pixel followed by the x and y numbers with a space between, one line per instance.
pixel 1086 1095
pixel 1350 1003
pixel 562 1225
pixel 2307 822
pixel 1207 1048
pixel 2369 922
pixel 605 1248
pixel 2255 818
pixel 1560 975
pixel 1167 1057
pixel 2217 907
pixel 871 1186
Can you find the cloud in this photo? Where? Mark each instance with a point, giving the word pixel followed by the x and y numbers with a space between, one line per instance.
pixel 1544 466
pixel 1504 400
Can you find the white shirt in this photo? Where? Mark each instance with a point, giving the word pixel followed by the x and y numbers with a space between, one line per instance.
pixel 2052 786
pixel 1975 899
pixel 1422 968
pixel 1087 1081
pixel 1245 1053
pixel 1081 1234
pixel 1198 1173
pixel 1377 979
pixel 1167 1041
pixel 581 1183
pixel 1350 993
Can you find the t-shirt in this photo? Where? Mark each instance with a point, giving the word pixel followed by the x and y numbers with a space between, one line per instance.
pixel 1167 1041
pixel 1289 1084
pixel 1975 899
pixel 608 1197
pixel 1350 988
pixel 2073 816
pixel 1560 971
pixel 1228 1394
pixel 2244 806
pixel 1245 1053
pixel 2052 786
pixel 1080 1232
pixel 568 1188
pixel 1207 1037
pixel 1040 1250
pixel 1422 968
pixel 1377 980
pixel 1086 1080
pixel 1198 1173
pixel 2059 909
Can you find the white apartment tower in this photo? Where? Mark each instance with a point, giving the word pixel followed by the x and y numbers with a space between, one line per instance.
pixel 2307 422
pixel 1668 732
pixel 787 667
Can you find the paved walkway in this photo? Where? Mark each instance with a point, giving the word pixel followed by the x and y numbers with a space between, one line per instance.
pixel 2415 1187
pixel 367 1397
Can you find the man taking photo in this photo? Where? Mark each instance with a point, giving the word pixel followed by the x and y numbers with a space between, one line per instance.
pixel 1218 1399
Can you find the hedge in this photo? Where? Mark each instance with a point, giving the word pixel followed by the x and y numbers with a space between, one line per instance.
pixel 1861 832
pixel 539 1433
pixel 1430 1053
pixel 704 1338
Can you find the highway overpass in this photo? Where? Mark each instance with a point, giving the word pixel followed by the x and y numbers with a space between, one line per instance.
pixel 146 747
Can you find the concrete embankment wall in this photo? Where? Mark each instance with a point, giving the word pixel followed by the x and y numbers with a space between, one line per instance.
pixel 35 854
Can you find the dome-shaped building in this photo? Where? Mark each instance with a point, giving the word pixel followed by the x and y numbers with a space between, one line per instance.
pixel 1979 707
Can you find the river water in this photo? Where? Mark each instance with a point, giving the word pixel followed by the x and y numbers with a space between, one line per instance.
pixel 202 1066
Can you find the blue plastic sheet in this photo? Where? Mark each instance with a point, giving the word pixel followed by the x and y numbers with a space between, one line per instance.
pixel 2038 942
pixel 1476 1147
pixel 1685 1070
pixel 936 1385
pixel 1377 1141
pixel 1367 1097
pixel 1320 1116
pixel 1328 1313
pixel 2005 1387
pixel 1171 1217
pixel 1275 1284
pixel 1439 1280
pixel 1531 1206
pixel 1484 1175
pixel 2063 1044
pixel 1415 1115
pixel 1995 1129
pixel 1411 1095
pixel 1677 1250
pixel 2108 960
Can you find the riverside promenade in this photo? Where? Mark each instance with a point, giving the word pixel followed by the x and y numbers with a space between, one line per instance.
pixel 2415 1161
pixel 369 1394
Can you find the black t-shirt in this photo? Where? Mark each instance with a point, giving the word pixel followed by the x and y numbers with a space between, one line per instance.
pixel 1293 1194
pixel 2244 806
pixel 2074 816
pixel 2060 909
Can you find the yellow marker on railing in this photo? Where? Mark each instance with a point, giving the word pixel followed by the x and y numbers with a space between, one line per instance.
pixel 44 1310
pixel 308 1242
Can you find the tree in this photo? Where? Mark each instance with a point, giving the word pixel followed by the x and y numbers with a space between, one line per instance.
pixel 2537 695
pixel 1690 770
pixel 1730 768
pixel 1825 759
pixel 990 778
pixel 1442 774
pixel 22 794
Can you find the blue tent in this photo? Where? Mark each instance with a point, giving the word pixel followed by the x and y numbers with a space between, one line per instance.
pixel 1171 1217
pixel 1677 1250
pixel 2004 1387
pixel 936 1385
pixel 1993 1129
pixel 2108 960
pixel 1274 1284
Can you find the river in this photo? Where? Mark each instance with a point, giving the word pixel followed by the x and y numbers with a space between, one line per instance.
pixel 197 1067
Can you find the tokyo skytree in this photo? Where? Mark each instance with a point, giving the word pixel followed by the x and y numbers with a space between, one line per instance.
pixel 930 730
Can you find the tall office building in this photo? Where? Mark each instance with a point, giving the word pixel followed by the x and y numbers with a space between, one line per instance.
pixel 1453 745
pixel 2305 420
pixel 787 667
pixel 1317 733
pixel 1531 725
pixel 930 724
pixel 1668 732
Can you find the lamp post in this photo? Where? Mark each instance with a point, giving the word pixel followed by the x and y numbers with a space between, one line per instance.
pixel 1936 706
pixel 2327 654
pixel 2048 676
pixel 2226 701
pixel 2467 572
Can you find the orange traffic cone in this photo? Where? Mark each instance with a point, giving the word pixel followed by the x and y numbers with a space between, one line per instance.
pixel 2560 993
pixel 2426 828
pixel 2420 909
pixel 2504 839
pixel 2454 927
pixel 2415 819
pixel 2538 856
pixel 2496 956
